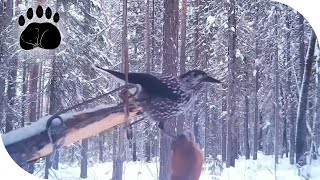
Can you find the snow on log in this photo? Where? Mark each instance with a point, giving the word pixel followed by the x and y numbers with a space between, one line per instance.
pixel 32 142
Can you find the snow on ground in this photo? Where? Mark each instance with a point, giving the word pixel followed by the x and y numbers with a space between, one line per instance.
pixel 262 169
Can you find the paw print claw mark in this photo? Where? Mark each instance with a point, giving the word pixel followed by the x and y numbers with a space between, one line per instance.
pixel 42 35
pixel 39 12
pixel 56 17
pixel 29 13
pixel 21 21
pixel 48 13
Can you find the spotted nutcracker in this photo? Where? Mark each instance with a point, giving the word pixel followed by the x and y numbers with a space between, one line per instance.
pixel 167 96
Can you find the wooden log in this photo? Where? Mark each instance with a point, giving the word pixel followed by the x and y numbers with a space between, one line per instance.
pixel 187 159
pixel 32 142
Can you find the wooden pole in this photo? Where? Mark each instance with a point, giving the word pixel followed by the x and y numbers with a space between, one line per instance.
pixel 187 158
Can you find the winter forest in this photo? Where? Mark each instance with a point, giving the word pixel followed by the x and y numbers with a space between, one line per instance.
pixel 262 121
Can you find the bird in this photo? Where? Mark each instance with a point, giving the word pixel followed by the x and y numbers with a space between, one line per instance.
pixel 167 96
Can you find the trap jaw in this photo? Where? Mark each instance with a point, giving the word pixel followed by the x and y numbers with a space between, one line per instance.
pixel 63 128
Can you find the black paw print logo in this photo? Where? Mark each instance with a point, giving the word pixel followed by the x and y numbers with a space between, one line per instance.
pixel 43 35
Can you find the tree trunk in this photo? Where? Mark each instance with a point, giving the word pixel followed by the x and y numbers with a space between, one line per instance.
pixel 195 64
pixel 84 142
pixel 223 124
pixel 260 136
pixel 40 90
pixel 276 94
pixel 33 87
pixel 148 36
pixel 134 151
pixel 114 148
pixel 148 151
pixel 24 93
pixel 33 90
pixel 153 35
pixel 286 88
pixel 291 117
pixel 170 54
pixel 54 101
pixel 11 84
pixel 183 58
pixel 316 116
pixel 118 167
pixel 101 147
pixel 284 138
pixel 2 94
pixel 256 88
pixel 207 129
pixel 301 46
pixel 290 98
pixel 11 94
pixel 246 128
pixel 231 75
pixel 148 66
pixel 84 159
pixel 2 79
pixel 196 126
pixel 246 113
pixel 302 108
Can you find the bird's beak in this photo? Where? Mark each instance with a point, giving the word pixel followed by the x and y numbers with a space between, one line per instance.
pixel 210 80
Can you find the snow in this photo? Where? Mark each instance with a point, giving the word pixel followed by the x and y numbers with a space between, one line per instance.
pixel 96 3
pixel 73 13
pixel 262 169
pixel 27 131
pixel 224 113
pixel 239 54
pixel 22 7
pixel 210 19
pixel 266 124
pixel 251 23
pixel 257 62
pixel 210 22
pixel 310 131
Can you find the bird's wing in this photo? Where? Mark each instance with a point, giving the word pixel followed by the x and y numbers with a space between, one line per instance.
pixel 151 84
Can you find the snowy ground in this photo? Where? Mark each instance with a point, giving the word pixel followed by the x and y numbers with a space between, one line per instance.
pixel 263 169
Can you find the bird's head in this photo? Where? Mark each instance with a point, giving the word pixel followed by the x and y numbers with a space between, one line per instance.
pixel 193 79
